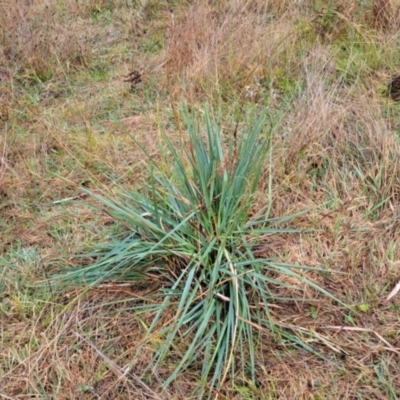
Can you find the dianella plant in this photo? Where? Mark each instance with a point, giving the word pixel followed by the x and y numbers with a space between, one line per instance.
pixel 196 229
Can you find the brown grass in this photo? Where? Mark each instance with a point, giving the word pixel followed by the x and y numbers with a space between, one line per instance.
pixel 68 120
pixel 386 15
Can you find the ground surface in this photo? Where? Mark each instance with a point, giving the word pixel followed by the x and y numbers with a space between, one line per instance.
pixel 83 84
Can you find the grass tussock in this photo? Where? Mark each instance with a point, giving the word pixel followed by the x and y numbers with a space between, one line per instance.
pixel 193 233
pixel 321 71
pixel 199 60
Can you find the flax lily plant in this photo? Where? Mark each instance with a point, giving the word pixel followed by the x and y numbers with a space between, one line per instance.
pixel 193 229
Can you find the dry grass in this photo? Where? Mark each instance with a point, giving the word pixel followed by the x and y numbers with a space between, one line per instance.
pixel 386 15
pixel 68 120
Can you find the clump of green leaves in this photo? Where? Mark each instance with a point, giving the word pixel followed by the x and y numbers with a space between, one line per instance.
pixel 193 230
